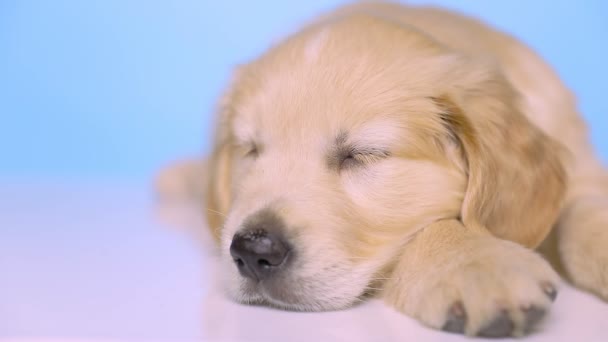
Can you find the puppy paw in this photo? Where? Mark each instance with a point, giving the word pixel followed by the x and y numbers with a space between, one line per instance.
pixel 485 287
pixel 503 324
pixel 181 181
pixel 583 246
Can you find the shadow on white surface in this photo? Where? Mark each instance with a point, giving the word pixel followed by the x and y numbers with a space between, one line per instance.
pixel 93 263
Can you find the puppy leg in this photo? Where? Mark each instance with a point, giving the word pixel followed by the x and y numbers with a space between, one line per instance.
pixel 582 237
pixel 183 180
pixel 180 190
pixel 465 280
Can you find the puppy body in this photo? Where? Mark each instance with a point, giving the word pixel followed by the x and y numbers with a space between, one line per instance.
pixel 413 150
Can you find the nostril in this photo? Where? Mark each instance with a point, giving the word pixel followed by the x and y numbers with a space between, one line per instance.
pixel 239 262
pixel 264 263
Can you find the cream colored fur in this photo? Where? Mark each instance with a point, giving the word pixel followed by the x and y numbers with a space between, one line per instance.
pixel 485 155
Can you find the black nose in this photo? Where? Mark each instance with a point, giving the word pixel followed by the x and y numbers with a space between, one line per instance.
pixel 258 253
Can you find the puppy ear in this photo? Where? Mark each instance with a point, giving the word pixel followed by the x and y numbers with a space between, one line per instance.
pixel 516 181
pixel 218 187
pixel 218 196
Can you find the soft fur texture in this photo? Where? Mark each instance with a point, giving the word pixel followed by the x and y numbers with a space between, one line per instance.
pixel 411 152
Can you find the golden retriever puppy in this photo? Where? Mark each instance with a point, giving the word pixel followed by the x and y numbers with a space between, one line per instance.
pixel 411 152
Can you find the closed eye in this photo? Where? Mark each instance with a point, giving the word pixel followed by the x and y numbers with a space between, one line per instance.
pixel 360 157
pixel 248 149
pixel 252 151
pixel 345 155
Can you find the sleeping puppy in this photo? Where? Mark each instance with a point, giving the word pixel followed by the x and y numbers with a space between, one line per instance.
pixel 411 153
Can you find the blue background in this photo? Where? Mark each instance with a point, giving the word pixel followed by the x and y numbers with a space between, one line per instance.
pixel 116 88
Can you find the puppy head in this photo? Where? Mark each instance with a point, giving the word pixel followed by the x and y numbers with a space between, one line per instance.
pixel 339 144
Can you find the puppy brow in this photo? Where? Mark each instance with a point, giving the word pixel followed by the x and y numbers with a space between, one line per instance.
pixel 341 138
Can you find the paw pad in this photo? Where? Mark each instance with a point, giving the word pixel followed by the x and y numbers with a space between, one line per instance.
pixel 501 326
pixel 532 315
pixel 457 319
pixel 550 291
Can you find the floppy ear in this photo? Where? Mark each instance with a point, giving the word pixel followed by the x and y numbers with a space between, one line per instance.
pixel 218 196
pixel 516 181
pixel 218 187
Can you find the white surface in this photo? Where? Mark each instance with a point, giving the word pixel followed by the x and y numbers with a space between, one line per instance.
pixel 95 263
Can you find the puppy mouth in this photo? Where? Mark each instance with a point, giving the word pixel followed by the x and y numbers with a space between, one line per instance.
pixel 284 296
pixel 278 293
pixel 275 269
pixel 329 289
pixel 268 264
pixel 281 290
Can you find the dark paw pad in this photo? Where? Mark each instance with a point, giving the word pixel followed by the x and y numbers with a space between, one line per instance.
pixel 457 319
pixel 550 291
pixel 501 326
pixel 533 315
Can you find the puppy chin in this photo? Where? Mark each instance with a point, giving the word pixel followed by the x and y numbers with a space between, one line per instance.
pixel 290 293
pixel 240 289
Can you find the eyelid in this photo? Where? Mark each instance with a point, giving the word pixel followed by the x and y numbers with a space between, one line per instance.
pixel 370 151
pixel 248 148
pixel 253 150
pixel 363 156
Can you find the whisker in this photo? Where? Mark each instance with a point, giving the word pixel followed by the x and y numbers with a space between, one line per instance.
pixel 216 212
pixel 373 288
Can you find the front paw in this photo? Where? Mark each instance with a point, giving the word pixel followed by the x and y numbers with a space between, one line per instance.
pixel 486 287
pixel 583 245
